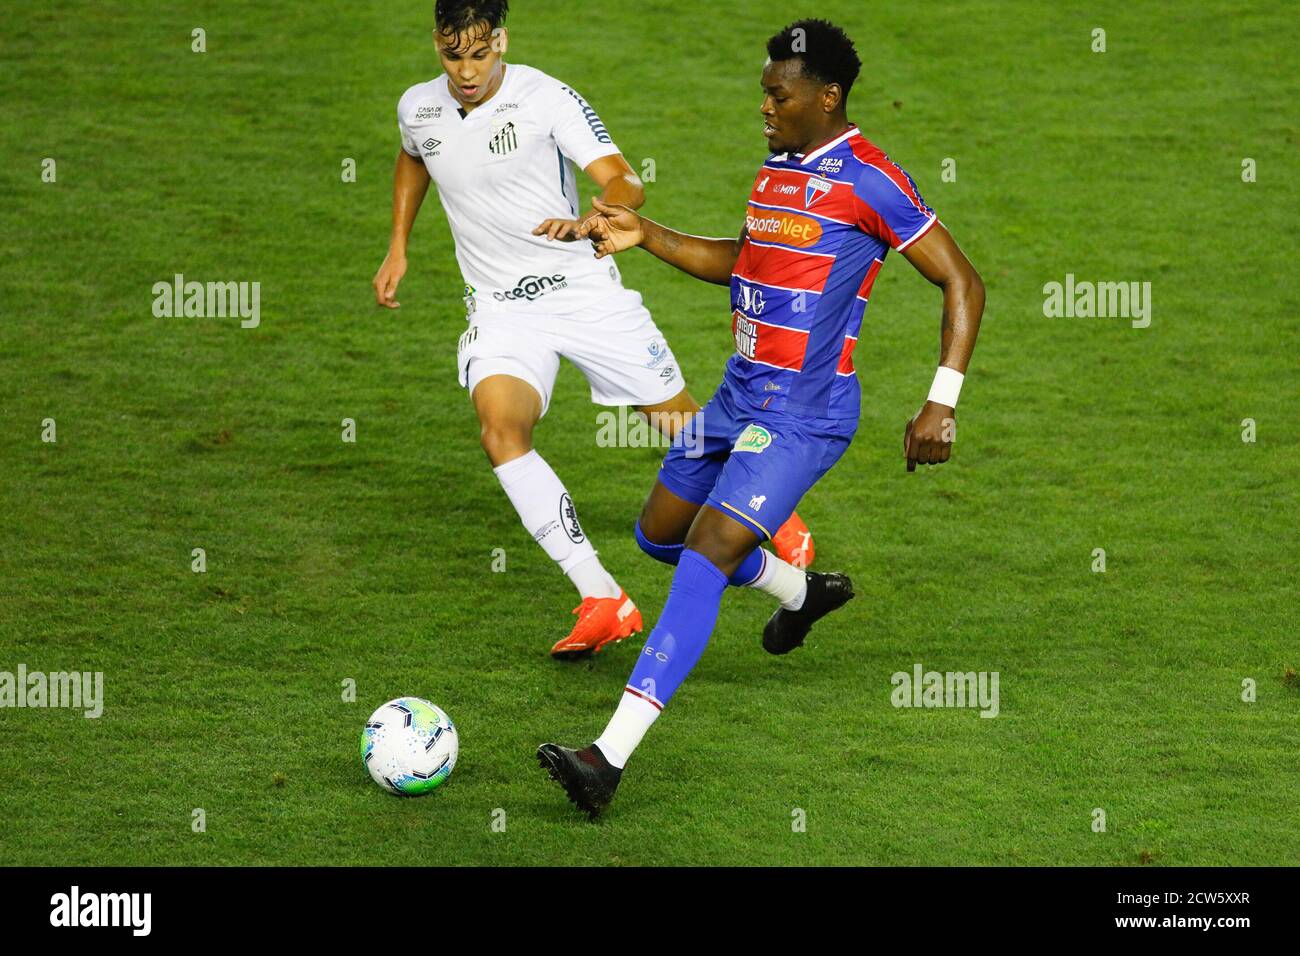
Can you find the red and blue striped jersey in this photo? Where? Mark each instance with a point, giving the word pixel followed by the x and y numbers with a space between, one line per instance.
pixel 817 231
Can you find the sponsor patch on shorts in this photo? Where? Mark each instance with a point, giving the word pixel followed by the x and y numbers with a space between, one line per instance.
pixel 754 438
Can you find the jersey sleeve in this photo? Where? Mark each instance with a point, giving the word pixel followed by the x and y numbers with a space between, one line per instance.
pixel 578 130
pixel 889 206
pixel 404 131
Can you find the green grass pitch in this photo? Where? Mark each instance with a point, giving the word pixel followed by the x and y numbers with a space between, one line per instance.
pixel 371 561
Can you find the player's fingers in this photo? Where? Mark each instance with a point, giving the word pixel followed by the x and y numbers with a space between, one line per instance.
pixel 605 207
pixel 390 294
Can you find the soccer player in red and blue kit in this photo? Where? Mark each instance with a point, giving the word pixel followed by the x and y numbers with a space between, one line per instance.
pixel 824 212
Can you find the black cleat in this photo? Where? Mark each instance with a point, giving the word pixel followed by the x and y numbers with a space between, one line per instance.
pixel 586 776
pixel 786 629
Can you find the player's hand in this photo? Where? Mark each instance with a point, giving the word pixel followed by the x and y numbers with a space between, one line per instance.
pixel 565 230
pixel 613 229
pixel 927 439
pixel 386 279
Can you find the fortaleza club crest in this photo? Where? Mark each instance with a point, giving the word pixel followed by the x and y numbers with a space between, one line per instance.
pixel 754 438
pixel 817 188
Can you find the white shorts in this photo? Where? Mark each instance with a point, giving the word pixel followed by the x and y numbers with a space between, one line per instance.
pixel 614 343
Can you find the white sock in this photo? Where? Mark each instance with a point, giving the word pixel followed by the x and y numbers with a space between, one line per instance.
pixel 626 728
pixel 548 514
pixel 592 580
pixel 782 580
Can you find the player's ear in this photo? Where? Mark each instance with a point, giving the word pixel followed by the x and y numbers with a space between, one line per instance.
pixel 832 97
pixel 500 40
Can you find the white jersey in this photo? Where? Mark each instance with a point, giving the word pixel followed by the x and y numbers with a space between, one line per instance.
pixel 502 169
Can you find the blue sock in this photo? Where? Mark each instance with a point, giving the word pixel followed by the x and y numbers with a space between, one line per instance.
pixel 684 628
pixel 671 553
pixel 667 553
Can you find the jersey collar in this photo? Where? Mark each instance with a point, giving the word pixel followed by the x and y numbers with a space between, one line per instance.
pixel 828 146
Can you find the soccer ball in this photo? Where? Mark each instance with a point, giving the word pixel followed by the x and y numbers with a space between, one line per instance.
pixel 409 746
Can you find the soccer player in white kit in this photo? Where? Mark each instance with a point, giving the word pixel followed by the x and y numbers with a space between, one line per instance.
pixel 502 141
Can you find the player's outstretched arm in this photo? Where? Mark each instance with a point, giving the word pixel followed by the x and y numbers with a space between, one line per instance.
pixel 619 186
pixel 410 184
pixel 619 227
pixel 927 438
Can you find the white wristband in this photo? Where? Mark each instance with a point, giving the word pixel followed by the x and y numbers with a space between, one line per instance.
pixel 946 387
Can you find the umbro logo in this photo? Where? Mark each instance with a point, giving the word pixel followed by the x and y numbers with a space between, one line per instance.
pixel 505 141
pixel 431 144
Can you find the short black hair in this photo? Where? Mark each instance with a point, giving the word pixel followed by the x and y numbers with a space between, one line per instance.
pixel 457 16
pixel 826 51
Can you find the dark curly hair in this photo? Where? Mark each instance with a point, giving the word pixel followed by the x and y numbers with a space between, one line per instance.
pixel 458 16
pixel 825 50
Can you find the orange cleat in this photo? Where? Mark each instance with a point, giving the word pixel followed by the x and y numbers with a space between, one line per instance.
pixel 793 542
pixel 601 621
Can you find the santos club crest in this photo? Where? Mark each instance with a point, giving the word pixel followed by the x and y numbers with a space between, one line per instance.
pixel 505 141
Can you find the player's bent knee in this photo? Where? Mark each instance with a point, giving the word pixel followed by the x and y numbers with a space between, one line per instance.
pixel 667 553
pixel 722 539
pixel 504 443
pixel 647 527
pixel 665 517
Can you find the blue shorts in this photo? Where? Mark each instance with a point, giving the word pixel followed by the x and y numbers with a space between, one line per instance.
pixel 752 465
